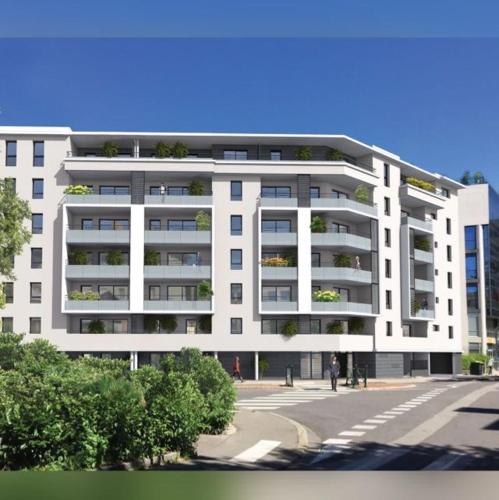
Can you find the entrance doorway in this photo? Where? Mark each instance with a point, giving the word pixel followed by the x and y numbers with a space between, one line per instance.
pixel 311 365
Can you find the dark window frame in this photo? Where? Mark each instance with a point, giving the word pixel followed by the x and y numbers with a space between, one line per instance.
pixel 236 190
pixel 35 299
pixel 38 159
pixel 10 159
pixel 236 293
pixel 234 231
pixel 239 323
pixel 36 263
pixel 234 265
pixel 36 194
pixel 36 229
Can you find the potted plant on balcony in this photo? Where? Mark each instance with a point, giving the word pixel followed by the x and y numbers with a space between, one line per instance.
pixel 318 224
pixel 422 243
pixel 335 328
pixel 96 326
pixel 78 258
pixel 204 323
pixel 162 150
pixel 342 260
pixel 114 258
pixel 362 193
pixel 109 149
pixel 289 328
pixel 303 153
pixel 416 306
pixel 291 258
pixel 179 150
pixel 326 296
pixel 151 258
pixel 168 322
pixel 334 155
pixel 196 188
pixel 77 295
pixel 151 323
pixel 263 366
pixel 78 189
pixel 420 183
pixel 203 221
pixel 356 325
pixel 274 262
pixel 204 290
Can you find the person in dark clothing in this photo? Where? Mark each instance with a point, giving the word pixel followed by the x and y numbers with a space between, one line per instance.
pixel 236 369
pixel 334 371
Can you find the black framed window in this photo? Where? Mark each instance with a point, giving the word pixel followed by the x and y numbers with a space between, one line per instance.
pixel 37 189
pixel 470 237
pixel 338 194
pixel 154 190
pixel 445 192
pixel 236 225
pixel 451 332
pixel 154 292
pixel 35 325
pixel 113 292
pixel 315 192
pixel 388 237
pixel 449 280
pixel 388 328
pixel 236 293
pixel 276 226
pixel 114 224
pixel 276 192
pixel 7 324
pixel 387 206
pixel 388 301
pixel 235 154
pixel 109 190
pixel 275 155
pixel 37 223
pixel 436 328
pixel 11 153
pixel 8 291
pixel 388 268
pixel 272 293
pixel 236 259
pixel 36 258
pixel 182 259
pixel 154 225
pixel 450 307
pixel 35 293
pixel 448 226
pixel 316 259
pixel 177 191
pixel 472 297
pixel 236 190
pixel 181 225
pixel 38 153
pixel 187 292
pixel 236 326
pixel 87 224
pixel 386 174
pixel 449 253
pixel 315 326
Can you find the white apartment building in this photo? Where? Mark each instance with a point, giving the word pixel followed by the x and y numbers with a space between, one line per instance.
pixel 271 223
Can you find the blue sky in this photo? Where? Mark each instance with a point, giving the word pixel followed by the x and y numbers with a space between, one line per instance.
pixel 433 101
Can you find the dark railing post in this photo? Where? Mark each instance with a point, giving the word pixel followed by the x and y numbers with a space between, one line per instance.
pixel 365 376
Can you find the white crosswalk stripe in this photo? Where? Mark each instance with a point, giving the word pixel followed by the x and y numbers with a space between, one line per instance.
pixel 256 452
pixel 352 433
pixel 374 421
pixel 364 427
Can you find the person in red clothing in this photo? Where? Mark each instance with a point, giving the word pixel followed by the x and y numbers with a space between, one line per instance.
pixel 236 369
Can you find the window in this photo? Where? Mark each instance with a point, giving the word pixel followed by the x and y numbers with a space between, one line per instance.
pixel 177 191
pixel 38 153
pixel 87 224
pixel 183 259
pixel 10 182
pixel 449 253
pixel 471 267
pixel 235 154
pixel 387 206
pixel 35 325
pixel 388 268
pixel 154 292
pixel 470 237
pixel 236 293
pixel 436 244
pixel 11 154
pixel 37 223
pixel 473 326
pixel 386 174
pixel 236 326
pixel 388 328
pixel 315 192
pixel 316 259
pixel 276 226
pixel 236 225
pixel 114 224
pixel 35 293
pixel 448 225
pixel 276 293
pixel 445 192
pixel 8 290
pixel 7 324
pixel 37 191
pixel 339 228
pixel 449 280
pixel 154 190
pixel 275 155
pixel 436 272
pixel 154 225
pixel 111 190
pixel 315 326
pixel 406 330
pixel 388 238
pixel 36 258
pixel 451 332
pixel 236 259
pixel 338 194
pixel 113 292
pixel 110 325
pixel 434 216
pixel 436 328
pixel 236 190
pixel 450 307
pixel 276 192
pixel 181 225
pixel 388 299
pixel 472 297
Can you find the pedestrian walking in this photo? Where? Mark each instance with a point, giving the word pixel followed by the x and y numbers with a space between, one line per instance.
pixel 357 263
pixel 334 371
pixel 236 369
pixel 490 365
pixel 162 189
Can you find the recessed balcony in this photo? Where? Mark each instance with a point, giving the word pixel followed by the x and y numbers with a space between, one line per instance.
pixel 420 256
pixel 345 205
pixel 96 305
pixel 180 200
pixel 278 306
pixel 415 197
pixel 279 239
pixel 194 272
pixel 279 273
pixel 97 199
pixel 165 237
pixel 345 241
pixel 98 236
pixel 426 314
pixel 194 306
pixel 96 272
pixel 417 223
pixel 278 202
pixel 347 308
pixel 345 275
pixel 423 285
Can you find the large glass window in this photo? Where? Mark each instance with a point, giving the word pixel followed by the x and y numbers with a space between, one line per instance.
pixel 471 267
pixel 473 326
pixel 315 326
pixel 37 190
pixel 114 224
pixel 316 259
pixel 315 192
pixel 273 326
pixel 276 192
pixel 109 190
pixel 113 292
pixel 36 258
pixel 177 190
pixel 154 292
pixel 236 293
pixel 472 297
pixel 87 224
pixel 182 259
pixel 470 237
pixel 275 155
pixel 236 190
pixel 235 154
pixel 188 292
pixel 11 154
pixel 276 293
pixel 38 153
pixel 236 259
pixel 276 226
pixel 338 194
pixel 154 225
pixel 236 225
pixel 37 223
pixel 182 225
pixel 339 228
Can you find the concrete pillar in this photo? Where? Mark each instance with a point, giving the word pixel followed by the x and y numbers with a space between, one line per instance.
pixel 136 148
pixel 305 261
pixel 134 360
pixel 256 365
pixel 349 363
pixel 136 286
pixel 215 354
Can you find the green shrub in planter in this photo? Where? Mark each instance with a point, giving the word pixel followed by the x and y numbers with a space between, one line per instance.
pixel 420 183
pixel 114 258
pixel 179 150
pixel 195 188
pixel 162 150
pixel 467 359
pixel 362 193
pixel 151 323
pixel 204 290
pixel 326 296
pixel 168 322
pixel 356 325
pixel 78 189
pixel 334 328
pixel 334 155
pixel 77 295
pixel 416 306
pixel 204 323
pixel 289 328
pixel 303 153
pixel 203 221
pixel 263 365
pixel 342 260
pixel 151 258
pixel 318 224
pixel 96 326
pixel 422 243
pixel 78 258
pixel 109 149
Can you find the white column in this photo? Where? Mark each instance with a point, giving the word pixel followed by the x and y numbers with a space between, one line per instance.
pixel 137 221
pixel 304 261
pixel 482 301
pixel 134 360
pixel 64 257
pixel 136 148
pixel 215 354
pixel 256 365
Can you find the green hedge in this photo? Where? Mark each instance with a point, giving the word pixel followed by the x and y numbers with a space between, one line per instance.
pixel 467 359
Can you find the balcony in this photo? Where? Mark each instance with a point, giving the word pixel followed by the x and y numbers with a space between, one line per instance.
pixel 195 306
pixel 342 307
pixel 96 305
pixel 346 275
pixel 98 236
pixel 278 202
pixel 194 272
pixel 423 225
pixel 345 204
pixel 182 200
pixel 424 314
pixel 423 285
pixel 279 239
pixel 416 197
pixel 97 272
pixel 347 241
pixel 279 306
pixel 97 199
pixel 279 273
pixel 165 237
pixel 423 257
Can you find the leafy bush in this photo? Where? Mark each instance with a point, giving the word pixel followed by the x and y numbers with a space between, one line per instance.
pixel 342 260
pixel 10 350
pixel 151 323
pixel 96 326
pixel 78 189
pixel 179 150
pixel 422 243
pixel 289 328
pixel 78 257
pixel 326 296
pixel 274 262
pixel 204 323
pixel 203 221
pixel 334 328
pixel 263 365
pixel 77 295
pixel 114 258
pixel 467 359
pixel 303 153
pixel 151 258
pixel 420 183
pixel 356 325
pixel 318 224
pixel 109 149
pixel 196 188
pixel 362 194
pixel 416 306
pixel 162 150
pixel 168 322
pixel 334 155
pixel 204 290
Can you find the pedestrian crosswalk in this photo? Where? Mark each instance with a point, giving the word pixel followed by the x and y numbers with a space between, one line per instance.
pixel 288 398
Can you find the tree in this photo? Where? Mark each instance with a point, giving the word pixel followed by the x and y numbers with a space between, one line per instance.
pixel 466 178
pixel 478 178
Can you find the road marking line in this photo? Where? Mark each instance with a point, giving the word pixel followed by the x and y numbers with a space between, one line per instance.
pixel 446 461
pixel 383 415
pixel 257 451
pixel 351 433
pixel 263 403
pixel 394 412
pixel 365 427
pixel 337 441
pixel 401 409
pixel 374 421
pixel 260 407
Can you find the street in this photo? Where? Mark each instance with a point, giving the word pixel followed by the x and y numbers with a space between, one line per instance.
pixel 435 425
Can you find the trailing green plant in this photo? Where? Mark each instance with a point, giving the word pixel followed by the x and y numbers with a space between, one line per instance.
pixel 78 257
pixel 96 326
pixel 334 327
pixel 422 243
pixel 326 296
pixel 263 365
pixel 203 221
pixel 151 258
pixel 356 325
pixel 179 150
pixel 151 323
pixel 362 193
pixel 204 323
pixel 109 149
pixel 114 258
pixel 342 260
pixel 195 188
pixel 274 262
pixel 289 328
pixel 162 150
pixel 303 153
pixel 420 183
pixel 334 155
pixel 77 295
pixel 204 290
pixel 168 322
pixel 291 258
pixel 318 224
pixel 78 189
pixel 416 306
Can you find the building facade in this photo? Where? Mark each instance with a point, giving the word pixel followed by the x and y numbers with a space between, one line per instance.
pixel 282 247
pixel 479 228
